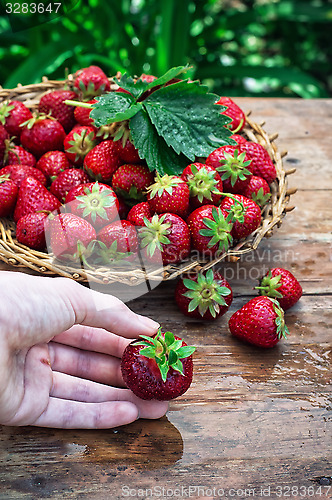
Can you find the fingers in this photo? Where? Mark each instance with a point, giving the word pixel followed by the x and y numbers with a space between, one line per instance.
pixel 76 389
pixel 84 364
pixel 93 339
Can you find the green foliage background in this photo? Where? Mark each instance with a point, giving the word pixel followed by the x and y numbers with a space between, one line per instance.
pixel 254 47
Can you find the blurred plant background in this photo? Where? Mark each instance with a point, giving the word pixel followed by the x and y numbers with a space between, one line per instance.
pixel 238 48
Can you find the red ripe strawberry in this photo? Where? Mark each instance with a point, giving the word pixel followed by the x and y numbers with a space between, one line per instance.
pixel 205 184
pixel 117 241
pixel 70 237
pixel 78 142
pixel 260 322
pixel 102 161
pixel 131 182
pixel 258 190
pixel 138 212
pixel 18 173
pixel 281 285
pixel 12 115
pixel 210 230
pixel 66 180
pixel 4 137
pixel 52 103
pixel 203 295
pixel 158 367
pixel 169 193
pixel 34 197
pixel 95 202
pixel 90 82
pixel 165 237
pixel 82 114
pixel 8 195
pixel 41 135
pixel 52 163
pixel 127 152
pixel 18 154
pixel 245 215
pixel 30 230
pixel 234 167
pixel 261 163
pixel 239 139
pixel 234 112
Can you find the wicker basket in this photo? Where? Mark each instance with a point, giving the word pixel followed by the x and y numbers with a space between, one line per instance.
pixel 15 254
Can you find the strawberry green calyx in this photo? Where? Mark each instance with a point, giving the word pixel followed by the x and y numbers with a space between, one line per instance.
pixel 234 167
pixel 202 183
pixel 206 293
pixel 166 351
pixel 269 285
pixel 282 330
pixel 236 211
pixel 81 144
pixel 164 183
pixel 218 229
pixel 5 110
pixel 260 197
pixel 154 234
pixel 110 254
pixel 93 202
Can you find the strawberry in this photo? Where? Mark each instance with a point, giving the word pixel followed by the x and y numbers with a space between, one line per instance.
pixel 204 295
pixel 4 138
pixel 158 367
pixel 245 215
pixel 70 237
pixel 17 154
pixel 18 173
pixel 90 82
pixel 52 163
pixel 78 142
pixel 260 322
pixel 12 115
pixel 234 167
pixel 210 230
pixel 147 78
pixel 8 195
pixel 82 114
pixel 117 241
pixel 258 190
pixel 41 135
pixel 127 152
pixel 30 230
pixel 165 236
pixel 281 285
pixel 102 161
pixel 33 197
pixel 169 193
pixel 95 202
pixel 123 207
pixel 205 184
pixel 234 112
pixel 261 163
pixel 238 138
pixel 52 103
pixel 138 212
pixel 131 182
pixel 66 180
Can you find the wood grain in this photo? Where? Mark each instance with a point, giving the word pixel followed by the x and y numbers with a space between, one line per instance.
pixel 254 423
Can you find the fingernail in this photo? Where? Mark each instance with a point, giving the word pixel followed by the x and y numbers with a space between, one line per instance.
pixel 148 322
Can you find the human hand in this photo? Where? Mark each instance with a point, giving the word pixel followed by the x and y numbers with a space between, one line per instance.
pixel 60 350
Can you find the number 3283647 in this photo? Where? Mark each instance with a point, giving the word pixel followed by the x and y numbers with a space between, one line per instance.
pixel 32 8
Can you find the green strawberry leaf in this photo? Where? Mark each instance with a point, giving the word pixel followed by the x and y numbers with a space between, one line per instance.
pixel 185 115
pixel 168 76
pixel 114 107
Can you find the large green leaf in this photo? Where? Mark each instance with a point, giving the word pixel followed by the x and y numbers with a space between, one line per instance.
pixel 186 116
pixel 114 107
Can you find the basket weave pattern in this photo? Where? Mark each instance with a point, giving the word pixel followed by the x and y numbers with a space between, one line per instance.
pixel 16 254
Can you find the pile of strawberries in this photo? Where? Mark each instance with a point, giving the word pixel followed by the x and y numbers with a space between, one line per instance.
pixel 93 199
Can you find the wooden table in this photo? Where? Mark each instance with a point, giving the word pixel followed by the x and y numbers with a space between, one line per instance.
pixel 254 423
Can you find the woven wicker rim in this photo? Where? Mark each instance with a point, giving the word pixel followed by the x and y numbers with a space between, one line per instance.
pixel 16 254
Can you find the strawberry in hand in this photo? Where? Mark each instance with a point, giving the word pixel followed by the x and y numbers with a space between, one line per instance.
pixel 260 322
pixel 281 285
pixel 158 367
